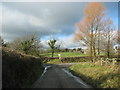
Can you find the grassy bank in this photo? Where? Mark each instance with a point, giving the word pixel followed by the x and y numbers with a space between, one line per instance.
pixel 55 61
pixel 97 76
pixel 19 70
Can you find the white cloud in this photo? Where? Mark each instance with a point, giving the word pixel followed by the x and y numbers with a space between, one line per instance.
pixel 45 12
pixel 65 42
pixel 21 19
pixel 35 21
pixel 14 17
pixel 68 42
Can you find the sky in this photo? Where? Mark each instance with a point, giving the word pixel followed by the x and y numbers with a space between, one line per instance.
pixel 47 19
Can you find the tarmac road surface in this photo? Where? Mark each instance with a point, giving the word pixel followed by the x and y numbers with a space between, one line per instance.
pixel 57 76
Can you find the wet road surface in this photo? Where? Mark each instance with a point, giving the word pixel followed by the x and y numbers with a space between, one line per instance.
pixel 57 76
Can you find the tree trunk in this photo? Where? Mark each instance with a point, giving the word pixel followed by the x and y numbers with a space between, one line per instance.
pixel 52 53
pixel 91 46
pixel 91 52
pixel 94 51
pixel 98 43
pixel 108 45
pixel 108 51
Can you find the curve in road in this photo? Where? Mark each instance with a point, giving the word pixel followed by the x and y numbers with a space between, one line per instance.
pixel 56 76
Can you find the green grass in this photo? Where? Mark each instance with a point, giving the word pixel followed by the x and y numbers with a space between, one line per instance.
pixel 96 75
pixel 55 61
pixel 64 54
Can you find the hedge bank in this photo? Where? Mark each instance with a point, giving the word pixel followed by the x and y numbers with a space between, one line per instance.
pixel 19 70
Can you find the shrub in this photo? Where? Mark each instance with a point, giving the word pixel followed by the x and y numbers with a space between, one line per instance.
pixel 75 59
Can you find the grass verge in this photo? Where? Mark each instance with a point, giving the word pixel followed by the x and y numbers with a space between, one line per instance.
pixel 97 76
pixel 55 61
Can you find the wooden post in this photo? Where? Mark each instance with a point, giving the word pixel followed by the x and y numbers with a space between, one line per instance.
pixel 114 60
pixel 101 61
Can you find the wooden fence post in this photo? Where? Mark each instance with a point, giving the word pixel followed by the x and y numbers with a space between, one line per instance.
pixel 114 61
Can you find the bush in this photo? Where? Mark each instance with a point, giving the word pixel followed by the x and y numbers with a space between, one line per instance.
pixel 18 70
pixel 75 59
pixel 29 44
pixel 47 59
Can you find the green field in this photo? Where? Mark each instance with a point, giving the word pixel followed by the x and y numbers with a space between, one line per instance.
pixel 55 61
pixel 97 75
pixel 64 54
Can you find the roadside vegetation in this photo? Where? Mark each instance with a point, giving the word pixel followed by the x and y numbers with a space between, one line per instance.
pixel 98 76
pixel 19 70
pixel 55 61
pixel 68 60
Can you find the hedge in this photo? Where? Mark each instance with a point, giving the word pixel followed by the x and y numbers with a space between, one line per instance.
pixel 74 59
pixel 18 70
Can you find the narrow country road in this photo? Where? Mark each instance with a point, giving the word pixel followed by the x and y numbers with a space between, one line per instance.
pixel 57 76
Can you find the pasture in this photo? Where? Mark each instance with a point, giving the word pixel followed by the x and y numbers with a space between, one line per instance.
pixel 64 54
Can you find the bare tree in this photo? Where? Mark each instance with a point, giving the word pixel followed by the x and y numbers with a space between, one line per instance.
pixel 89 26
pixel 52 43
pixel 28 44
pixel 108 35
pixel 1 41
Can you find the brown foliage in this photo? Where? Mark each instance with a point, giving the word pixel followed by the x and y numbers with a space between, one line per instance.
pixel 93 15
pixel 94 11
pixel 91 27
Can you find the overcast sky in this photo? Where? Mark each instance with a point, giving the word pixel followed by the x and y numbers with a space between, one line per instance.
pixel 50 18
